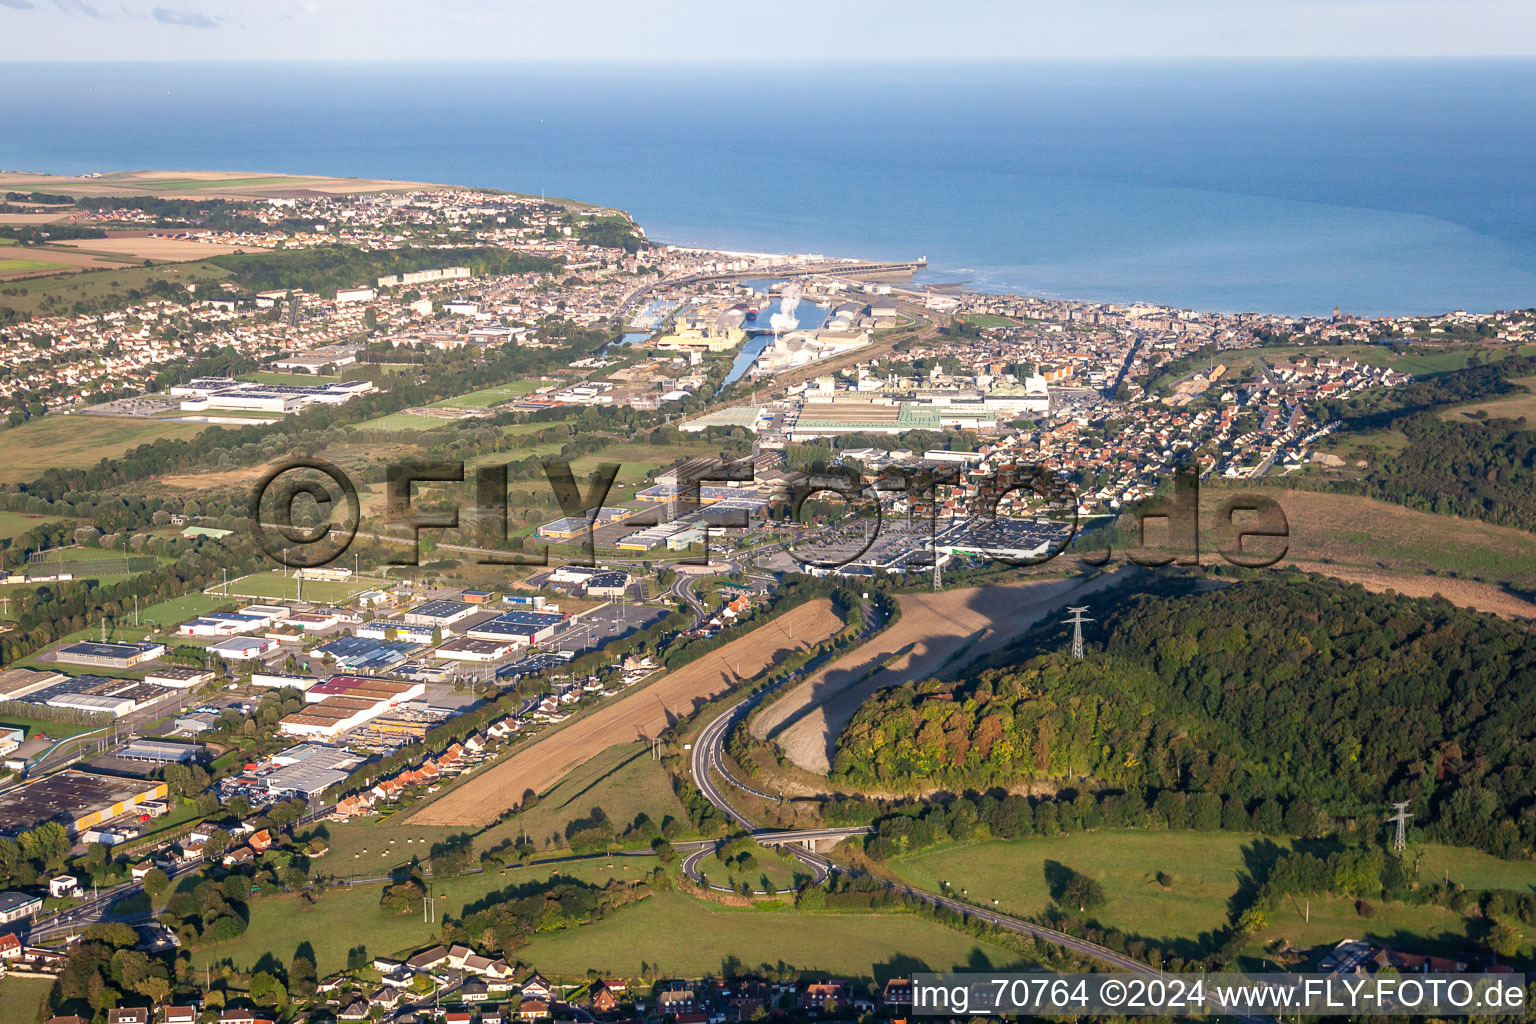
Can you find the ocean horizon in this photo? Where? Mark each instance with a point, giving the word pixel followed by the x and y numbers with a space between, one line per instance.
pixel 1382 187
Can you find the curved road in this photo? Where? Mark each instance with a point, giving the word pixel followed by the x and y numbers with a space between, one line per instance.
pixel 708 754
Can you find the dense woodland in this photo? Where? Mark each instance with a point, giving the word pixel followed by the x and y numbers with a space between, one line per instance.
pixel 1483 470
pixel 327 268
pixel 1279 688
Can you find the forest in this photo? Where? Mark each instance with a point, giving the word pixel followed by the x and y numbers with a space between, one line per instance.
pixel 327 268
pixel 1286 688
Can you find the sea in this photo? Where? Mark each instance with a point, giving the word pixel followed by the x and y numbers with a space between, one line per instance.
pixel 1285 186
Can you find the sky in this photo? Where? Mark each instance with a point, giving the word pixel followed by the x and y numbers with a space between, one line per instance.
pixel 728 30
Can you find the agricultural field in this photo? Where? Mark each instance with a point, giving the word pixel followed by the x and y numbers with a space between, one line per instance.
pixel 1382 545
pixel 932 630
pixel 144 247
pixel 20 266
pixel 1511 407
pixel 623 780
pixel 667 933
pixel 641 713
pixel 281 585
pixel 77 442
pixel 67 289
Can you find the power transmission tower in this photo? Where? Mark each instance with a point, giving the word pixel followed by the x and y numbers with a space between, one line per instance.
pixel 1076 621
pixel 1400 838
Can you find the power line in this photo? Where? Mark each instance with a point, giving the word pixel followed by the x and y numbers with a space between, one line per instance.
pixel 1400 838
pixel 1076 621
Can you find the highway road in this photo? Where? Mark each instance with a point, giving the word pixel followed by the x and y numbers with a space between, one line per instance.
pixel 708 759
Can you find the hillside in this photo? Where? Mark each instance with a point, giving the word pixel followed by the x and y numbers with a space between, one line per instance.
pixel 1282 686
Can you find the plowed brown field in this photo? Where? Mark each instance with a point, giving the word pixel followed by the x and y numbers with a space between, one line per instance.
pixel 644 713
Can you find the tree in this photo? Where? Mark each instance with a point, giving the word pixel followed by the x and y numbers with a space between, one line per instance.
pixel 1084 891
pixel 156 882
pixel 1267 818
pixel 267 990
pixel 1503 940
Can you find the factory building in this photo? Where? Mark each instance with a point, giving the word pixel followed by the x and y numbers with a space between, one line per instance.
pixel 343 703
pixel 439 614
pixel 100 655
pixel 244 648
pixel 77 800
pixel 519 627
pixel 468 648
pixel 178 677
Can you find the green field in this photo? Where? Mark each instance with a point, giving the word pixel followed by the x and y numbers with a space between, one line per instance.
pixel 14 524
pixel 988 320
pixel 493 396
pixel 1512 406
pixel 154 185
pixel 20 999
pixel 178 609
pixel 77 442
pixel 275 377
pixel 1206 869
pixel 56 730
pixel 403 421
pixel 345 917
pixel 280 585
pixel 679 935
pixel 8 266
pixel 68 289
pixel 622 780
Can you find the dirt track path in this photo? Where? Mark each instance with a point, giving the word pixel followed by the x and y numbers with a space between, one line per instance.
pixel 937 634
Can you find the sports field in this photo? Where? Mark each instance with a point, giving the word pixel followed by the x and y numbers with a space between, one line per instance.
pixel 282 585
pixel 403 421
pixel 493 396
pixel 642 713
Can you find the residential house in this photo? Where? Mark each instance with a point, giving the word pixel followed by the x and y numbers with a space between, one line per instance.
pixel 897 992
pixel 533 1009
pixel 357 1009
pixel 178 1015
pixel 427 960
pixel 474 991
pixel 536 986
pixel 129 1015
pixel 10 947
pixel 385 997
pixel 833 996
